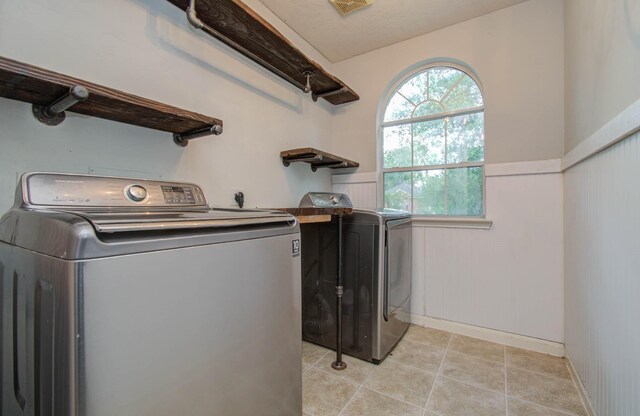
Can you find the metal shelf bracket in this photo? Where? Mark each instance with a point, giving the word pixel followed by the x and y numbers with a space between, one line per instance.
pixel 315 96
pixel 307 85
pixel 182 139
pixel 53 114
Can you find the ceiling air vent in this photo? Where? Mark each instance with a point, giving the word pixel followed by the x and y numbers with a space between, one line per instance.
pixel 348 6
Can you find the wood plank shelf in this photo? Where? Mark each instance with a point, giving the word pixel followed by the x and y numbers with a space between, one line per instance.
pixel 315 215
pixel 28 83
pixel 316 158
pixel 307 212
pixel 235 24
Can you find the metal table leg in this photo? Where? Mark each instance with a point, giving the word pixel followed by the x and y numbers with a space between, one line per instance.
pixel 338 364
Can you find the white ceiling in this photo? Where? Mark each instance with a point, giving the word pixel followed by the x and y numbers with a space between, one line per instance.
pixel 383 23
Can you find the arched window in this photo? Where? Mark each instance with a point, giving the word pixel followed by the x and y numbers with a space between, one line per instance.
pixel 432 143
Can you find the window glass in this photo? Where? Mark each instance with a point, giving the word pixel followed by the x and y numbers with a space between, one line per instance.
pixel 397 146
pixel 465 138
pixel 464 191
pixel 429 192
pixel 433 144
pixel 397 190
pixel 428 143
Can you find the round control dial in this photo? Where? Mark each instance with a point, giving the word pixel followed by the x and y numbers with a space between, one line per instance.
pixel 136 193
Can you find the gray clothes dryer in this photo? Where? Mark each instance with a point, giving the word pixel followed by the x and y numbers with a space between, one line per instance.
pixel 130 297
pixel 377 282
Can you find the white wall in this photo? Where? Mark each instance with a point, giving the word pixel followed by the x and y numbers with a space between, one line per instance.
pixel 508 278
pixel 602 43
pixel 145 47
pixel 517 53
pixel 602 272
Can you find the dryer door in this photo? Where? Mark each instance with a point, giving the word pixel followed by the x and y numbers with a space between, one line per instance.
pixel 397 278
pixel 395 286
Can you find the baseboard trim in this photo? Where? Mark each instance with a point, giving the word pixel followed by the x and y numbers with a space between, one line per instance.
pixel 586 401
pixel 493 335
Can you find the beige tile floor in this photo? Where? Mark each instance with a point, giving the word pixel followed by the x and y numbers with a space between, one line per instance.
pixel 435 373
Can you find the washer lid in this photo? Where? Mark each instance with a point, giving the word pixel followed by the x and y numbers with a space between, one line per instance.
pixel 116 222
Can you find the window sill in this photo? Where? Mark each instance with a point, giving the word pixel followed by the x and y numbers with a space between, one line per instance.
pixel 452 222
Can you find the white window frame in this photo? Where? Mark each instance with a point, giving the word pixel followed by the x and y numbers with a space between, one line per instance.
pixel 381 124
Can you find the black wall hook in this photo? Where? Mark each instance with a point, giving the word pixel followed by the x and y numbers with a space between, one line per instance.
pixel 239 197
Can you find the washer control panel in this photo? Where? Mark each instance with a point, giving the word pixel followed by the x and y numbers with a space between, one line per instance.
pixel 56 190
pixel 178 194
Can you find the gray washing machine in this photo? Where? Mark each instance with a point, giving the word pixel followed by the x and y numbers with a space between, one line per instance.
pixel 377 282
pixel 131 297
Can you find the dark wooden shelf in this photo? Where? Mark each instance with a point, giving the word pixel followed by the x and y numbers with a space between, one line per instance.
pixel 315 215
pixel 298 212
pixel 316 158
pixel 239 27
pixel 28 83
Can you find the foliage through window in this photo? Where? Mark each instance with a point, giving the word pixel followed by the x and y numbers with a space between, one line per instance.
pixel 433 144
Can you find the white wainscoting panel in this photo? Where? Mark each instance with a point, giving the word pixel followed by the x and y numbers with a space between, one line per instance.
pixel 362 194
pixel 508 278
pixel 602 272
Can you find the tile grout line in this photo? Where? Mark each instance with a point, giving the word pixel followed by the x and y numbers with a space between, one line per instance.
pixel 564 412
pixel 312 367
pixel 356 392
pixel 435 379
pixel 336 374
pixel 395 361
pixel 542 374
pixel 447 349
pixel 475 357
pixel 389 396
pixel 438 374
pixel 466 383
pixel 318 360
pixel 429 346
pixel 459 352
